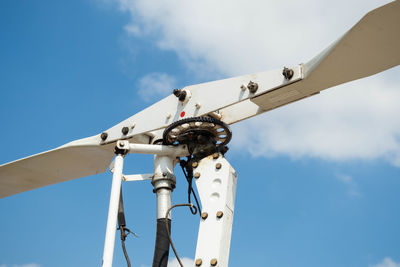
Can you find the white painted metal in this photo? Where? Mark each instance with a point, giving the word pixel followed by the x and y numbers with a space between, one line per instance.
pixel 371 46
pixel 163 182
pixel 205 98
pixel 217 189
pixel 113 212
pixel 161 150
pixel 137 177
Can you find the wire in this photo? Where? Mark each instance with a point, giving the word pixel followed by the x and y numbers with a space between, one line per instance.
pixel 188 172
pixel 169 232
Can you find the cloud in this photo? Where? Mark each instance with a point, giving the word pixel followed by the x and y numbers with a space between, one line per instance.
pixel 155 85
pixel 185 261
pixel 358 120
pixel 352 186
pixel 387 262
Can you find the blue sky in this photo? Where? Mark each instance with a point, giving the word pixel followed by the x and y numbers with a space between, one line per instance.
pixel 318 180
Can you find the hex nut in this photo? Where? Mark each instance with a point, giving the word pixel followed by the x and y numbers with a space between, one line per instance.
pixel 220 214
pixel 197 175
pixel 213 262
pixel 195 164
pixel 215 155
pixel 198 262
pixel 218 166
pixel 204 215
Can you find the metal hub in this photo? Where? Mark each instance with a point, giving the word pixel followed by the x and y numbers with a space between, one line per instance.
pixel 203 135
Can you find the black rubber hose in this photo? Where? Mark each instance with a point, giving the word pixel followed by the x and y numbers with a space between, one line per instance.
pixel 161 249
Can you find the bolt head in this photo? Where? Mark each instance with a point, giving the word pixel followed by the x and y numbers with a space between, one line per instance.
pixel 204 215
pixel 125 130
pixel 195 164
pixel 215 155
pixel 218 166
pixel 197 175
pixel 253 87
pixel 287 73
pixel 213 262
pixel 121 144
pixel 220 214
pixel 198 262
pixel 104 136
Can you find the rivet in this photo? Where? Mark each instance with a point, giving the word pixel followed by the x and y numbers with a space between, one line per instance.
pixel 220 214
pixel 104 136
pixel 198 262
pixel 218 165
pixel 215 155
pixel 195 164
pixel 198 106
pixel 204 215
pixel 213 262
pixel 125 130
pixel 243 87
pixel 197 175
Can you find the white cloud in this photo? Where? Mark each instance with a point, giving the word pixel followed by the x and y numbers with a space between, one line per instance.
pixel 351 184
pixel 354 121
pixel 156 85
pixel 387 262
pixel 185 261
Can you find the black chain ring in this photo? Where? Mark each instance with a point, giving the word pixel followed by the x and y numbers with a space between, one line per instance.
pixel 187 130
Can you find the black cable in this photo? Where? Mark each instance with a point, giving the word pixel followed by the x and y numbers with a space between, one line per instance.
pixel 188 172
pixel 122 227
pixel 168 231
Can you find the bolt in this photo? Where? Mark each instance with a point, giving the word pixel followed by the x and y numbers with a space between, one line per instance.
pixel 204 215
pixel 180 94
pixel 253 87
pixel 218 166
pixel 197 175
pixel 195 164
pixel 169 116
pixel 198 106
pixel 121 144
pixel 213 262
pixel 215 155
pixel 104 136
pixel 287 73
pixel 125 130
pixel 220 214
pixel 243 87
pixel 164 174
pixel 198 262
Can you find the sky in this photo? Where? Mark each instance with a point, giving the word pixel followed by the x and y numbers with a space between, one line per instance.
pixel 318 179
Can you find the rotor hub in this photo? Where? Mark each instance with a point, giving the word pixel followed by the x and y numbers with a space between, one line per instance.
pixel 202 135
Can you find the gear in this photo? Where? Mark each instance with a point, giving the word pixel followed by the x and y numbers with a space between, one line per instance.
pixel 203 135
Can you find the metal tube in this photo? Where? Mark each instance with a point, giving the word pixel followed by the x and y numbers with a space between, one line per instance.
pixel 163 202
pixel 160 150
pixel 113 212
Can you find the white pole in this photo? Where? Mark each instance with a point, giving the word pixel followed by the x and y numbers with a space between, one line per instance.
pixel 113 212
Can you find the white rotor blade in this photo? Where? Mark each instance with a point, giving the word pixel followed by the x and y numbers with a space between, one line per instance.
pixel 371 46
pixel 73 160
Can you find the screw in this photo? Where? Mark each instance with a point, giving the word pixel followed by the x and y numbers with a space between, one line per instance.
pixel 195 164
pixel 253 87
pixel 287 73
pixel 104 136
pixel 213 262
pixel 197 175
pixel 198 262
pixel 204 215
pixel 215 155
pixel 125 130
pixel 218 166
pixel 220 214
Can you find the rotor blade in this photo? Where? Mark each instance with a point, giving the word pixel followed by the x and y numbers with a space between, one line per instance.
pixel 73 160
pixel 370 47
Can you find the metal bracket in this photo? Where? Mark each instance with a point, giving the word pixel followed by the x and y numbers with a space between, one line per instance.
pixel 216 184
